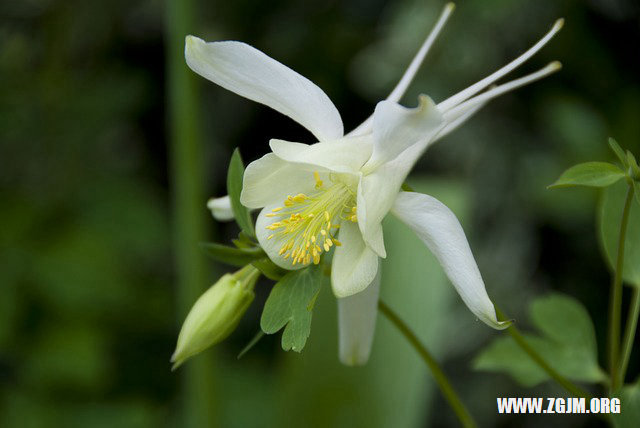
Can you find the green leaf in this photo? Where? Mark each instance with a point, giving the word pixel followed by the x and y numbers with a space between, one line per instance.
pixel 633 166
pixel 234 188
pixel 290 304
pixel 610 215
pixel 233 256
pixel 618 151
pixel 591 174
pixel 636 191
pixel 269 269
pixel 567 342
pixel 629 407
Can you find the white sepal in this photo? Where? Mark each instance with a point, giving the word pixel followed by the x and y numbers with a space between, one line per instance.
pixel 220 208
pixel 441 231
pixel 250 73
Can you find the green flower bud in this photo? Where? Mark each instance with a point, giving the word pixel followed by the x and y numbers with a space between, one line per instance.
pixel 216 313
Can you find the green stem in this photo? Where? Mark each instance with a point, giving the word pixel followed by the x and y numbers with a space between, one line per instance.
pixel 616 297
pixel 630 332
pixel 573 389
pixel 445 386
pixel 187 178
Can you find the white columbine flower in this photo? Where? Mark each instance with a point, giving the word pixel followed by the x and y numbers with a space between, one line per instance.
pixel 336 192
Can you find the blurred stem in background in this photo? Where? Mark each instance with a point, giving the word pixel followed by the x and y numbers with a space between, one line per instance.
pixel 197 398
pixel 443 382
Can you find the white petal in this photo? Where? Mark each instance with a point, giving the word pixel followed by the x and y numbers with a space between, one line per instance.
pixel 440 230
pixel 396 128
pixel 411 71
pixel 272 246
pixel 354 264
pixel 484 83
pixel 221 208
pixel 346 155
pixel 357 323
pixel 377 192
pixel 250 73
pixel 269 180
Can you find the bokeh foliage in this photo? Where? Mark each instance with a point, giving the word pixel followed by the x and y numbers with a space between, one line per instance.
pixel 87 303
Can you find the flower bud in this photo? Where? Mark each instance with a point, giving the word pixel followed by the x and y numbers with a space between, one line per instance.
pixel 216 313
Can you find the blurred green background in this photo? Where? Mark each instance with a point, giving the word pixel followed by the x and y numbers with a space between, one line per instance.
pixel 91 221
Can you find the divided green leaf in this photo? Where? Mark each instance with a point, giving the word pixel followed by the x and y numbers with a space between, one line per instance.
pixel 234 188
pixel 290 305
pixel 618 151
pixel 591 174
pixel 233 256
pixel 566 341
pixel 610 216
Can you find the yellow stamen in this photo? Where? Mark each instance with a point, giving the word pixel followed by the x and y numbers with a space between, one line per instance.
pixel 306 222
pixel 316 177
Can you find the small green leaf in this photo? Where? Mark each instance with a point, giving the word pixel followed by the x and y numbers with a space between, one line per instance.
pixel 591 174
pixel 233 256
pixel 629 407
pixel 234 188
pixel 269 269
pixel 290 304
pixel 610 215
pixel 567 342
pixel 633 166
pixel 618 151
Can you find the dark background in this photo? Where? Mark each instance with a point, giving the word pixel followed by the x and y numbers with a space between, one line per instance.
pixel 88 313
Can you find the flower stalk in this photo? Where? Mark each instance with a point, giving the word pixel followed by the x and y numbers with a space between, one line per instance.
pixel 616 300
pixel 573 389
pixel 440 377
pixel 630 332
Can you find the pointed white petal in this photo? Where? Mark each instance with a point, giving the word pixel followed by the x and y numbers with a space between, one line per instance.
pixel 220 208
pixel 272 246
pixel 504 88
pixel 345 155
pixel 354 264
pixel 440 230
pixel 396 128
pixel 357 323
pixel 413 68
pixel 269 180
pixel 477 87
pixel 250 73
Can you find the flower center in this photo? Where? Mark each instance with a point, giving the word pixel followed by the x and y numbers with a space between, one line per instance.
pixel 306 224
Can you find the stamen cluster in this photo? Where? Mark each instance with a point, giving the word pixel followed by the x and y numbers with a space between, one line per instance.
pixel 307 223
